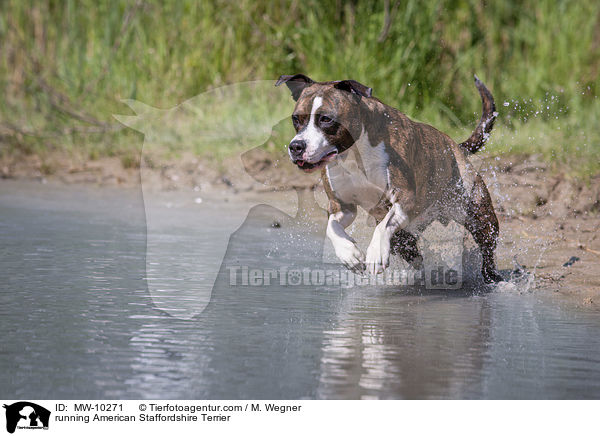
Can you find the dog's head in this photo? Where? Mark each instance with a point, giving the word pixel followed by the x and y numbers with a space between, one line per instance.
pixel 327 119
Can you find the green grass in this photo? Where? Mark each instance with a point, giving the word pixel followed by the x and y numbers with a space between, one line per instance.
pixel 66 66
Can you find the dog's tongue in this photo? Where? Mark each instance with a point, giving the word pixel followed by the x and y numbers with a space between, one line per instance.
pixel 300 163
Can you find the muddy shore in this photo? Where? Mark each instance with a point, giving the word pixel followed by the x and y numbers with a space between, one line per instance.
pixel 550 220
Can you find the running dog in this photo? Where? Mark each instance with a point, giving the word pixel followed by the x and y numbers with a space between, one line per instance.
pixel 404 173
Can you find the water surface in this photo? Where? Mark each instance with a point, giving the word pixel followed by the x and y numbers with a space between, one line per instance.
pixel 84 316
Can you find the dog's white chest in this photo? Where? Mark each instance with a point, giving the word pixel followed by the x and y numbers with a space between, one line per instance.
pixel 361 177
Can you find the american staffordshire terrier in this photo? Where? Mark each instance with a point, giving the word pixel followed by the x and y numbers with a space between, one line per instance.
pixel 404 173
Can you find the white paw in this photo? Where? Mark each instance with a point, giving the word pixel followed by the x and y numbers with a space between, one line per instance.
pixel 378 254
pixel 350 255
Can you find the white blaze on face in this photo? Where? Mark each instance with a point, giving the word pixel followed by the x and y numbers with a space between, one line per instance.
pixel 316 143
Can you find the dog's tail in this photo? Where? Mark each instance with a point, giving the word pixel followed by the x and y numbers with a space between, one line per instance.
pixel 481 134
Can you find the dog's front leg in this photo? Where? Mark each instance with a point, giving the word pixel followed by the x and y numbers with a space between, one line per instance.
pixel 344 246
pixel 378 253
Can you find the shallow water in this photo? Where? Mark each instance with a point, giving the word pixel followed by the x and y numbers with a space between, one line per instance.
pixel 86 313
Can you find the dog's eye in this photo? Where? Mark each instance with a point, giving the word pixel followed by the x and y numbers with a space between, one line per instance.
pixel 325 120
pixel 296 121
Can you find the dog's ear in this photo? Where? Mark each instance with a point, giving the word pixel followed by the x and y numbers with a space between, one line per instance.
pixel 296 83
pixel 354 87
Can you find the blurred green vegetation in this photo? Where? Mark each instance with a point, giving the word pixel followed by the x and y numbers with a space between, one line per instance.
pixel 65 65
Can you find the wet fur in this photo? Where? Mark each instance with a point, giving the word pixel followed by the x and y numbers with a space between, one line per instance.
pixel 428 174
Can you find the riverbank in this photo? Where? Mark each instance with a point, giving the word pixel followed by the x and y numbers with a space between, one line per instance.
pixel 548 220
pixel 521 186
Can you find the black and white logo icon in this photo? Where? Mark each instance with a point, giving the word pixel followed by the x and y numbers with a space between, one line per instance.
pixel 26 415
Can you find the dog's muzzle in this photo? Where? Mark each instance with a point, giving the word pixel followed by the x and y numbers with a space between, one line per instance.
pixel 297 148
pixel 311 166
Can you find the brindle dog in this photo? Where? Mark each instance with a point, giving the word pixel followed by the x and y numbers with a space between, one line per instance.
pixel 404 173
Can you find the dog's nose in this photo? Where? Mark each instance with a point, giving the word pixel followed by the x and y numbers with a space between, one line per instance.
pixel 297 147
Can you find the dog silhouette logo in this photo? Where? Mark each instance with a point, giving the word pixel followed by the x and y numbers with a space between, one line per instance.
pixel 26 415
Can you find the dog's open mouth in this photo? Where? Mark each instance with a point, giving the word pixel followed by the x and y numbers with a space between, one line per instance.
pixel 309 167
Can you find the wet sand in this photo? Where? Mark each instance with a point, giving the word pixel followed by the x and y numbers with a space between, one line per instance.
pixel 549 222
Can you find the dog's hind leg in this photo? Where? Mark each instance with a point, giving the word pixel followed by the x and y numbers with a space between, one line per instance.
pixel 482 223
pixel 404 244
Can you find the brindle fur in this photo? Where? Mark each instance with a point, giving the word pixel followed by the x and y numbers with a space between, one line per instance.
pixel 427 169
